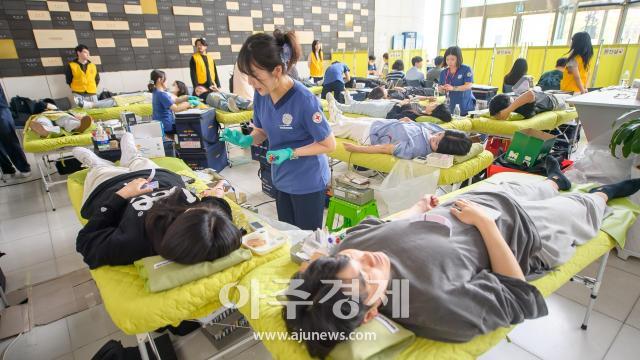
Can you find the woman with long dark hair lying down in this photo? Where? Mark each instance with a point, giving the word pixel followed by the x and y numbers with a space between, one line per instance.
pixel 132 216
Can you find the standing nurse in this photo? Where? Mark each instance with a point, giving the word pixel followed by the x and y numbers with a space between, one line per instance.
pixel 456 80
pixel 291 118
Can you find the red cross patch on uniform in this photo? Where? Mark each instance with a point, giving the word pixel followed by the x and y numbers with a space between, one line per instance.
pixel 317 118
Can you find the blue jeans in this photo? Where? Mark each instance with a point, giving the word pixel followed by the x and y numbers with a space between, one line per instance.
pixel 220 100
pixel 11 153
pixel 337 87
pixel 304 211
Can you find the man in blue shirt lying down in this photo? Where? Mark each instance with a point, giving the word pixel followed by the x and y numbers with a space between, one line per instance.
pixel 402 138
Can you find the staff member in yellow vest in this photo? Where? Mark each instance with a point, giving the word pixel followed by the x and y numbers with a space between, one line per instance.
pixel 82 76
pixel 203 68
pixel 316 70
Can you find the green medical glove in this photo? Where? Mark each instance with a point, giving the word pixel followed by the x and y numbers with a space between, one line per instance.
pixel 194 103
pixel 236 138
pixel 194 98
pixel 279 156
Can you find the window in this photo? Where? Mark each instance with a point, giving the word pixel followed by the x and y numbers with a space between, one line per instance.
pixel 611 26
pixel 593 22
pixel 469 32
pixel 590 21
pixel 536 29
pixel 563 27
pixel 631 28
pixel 498 31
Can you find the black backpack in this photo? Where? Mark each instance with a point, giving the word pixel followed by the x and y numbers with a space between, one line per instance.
pixel 21 109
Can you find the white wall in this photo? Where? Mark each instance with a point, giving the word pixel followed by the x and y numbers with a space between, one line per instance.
pixel 397 16
pixel 55 87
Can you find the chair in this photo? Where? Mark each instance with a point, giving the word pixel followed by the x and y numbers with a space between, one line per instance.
pixel 352 214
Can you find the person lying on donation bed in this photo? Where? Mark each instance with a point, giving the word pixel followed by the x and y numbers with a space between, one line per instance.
pixel 402 138
pixel 400 93
pixel 528 104
pixel 223 100
pixel 50 121
pixel 464 270
pixel 132 216
pixel 392 109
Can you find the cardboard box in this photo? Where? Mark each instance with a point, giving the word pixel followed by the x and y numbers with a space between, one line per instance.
pixel 151 147
pixel 147 130
pixel 48 301
pixel 529 146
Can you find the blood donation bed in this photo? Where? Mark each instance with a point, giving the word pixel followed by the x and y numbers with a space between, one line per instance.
pixel 136 311
pixel 98 114
pixel 43 147
pixel 544 121
pixel 384 163
pixel 269 316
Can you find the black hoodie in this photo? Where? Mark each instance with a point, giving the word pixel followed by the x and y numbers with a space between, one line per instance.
pixel 115 233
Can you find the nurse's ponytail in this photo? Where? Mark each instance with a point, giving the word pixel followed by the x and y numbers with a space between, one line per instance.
pixel 267 52
pixel 154 77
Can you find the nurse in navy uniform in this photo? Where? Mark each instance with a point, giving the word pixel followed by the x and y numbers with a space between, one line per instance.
pixel 287 114
pixel 456 81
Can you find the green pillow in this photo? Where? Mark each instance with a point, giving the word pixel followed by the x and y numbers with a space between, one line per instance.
pixel 160 274
pixel 476 149
pixel 512 117
pixel 389 340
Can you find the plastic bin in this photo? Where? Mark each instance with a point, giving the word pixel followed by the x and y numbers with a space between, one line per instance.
pixel 196 129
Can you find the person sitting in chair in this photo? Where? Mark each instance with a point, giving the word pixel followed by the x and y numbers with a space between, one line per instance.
pixel 138 209
pixel 465 268
pixel 528 104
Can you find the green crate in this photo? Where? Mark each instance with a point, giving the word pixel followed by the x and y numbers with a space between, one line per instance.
pixel 529 146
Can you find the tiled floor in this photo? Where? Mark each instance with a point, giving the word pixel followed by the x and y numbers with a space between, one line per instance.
pixel 40 244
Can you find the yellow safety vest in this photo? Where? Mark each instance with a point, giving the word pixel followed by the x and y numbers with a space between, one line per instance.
pixel 83 82
pixel 315 65
pixel 201 69
pixel 568 83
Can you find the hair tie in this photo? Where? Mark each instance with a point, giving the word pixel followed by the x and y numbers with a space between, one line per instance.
pixel 151 82
pixel 285 55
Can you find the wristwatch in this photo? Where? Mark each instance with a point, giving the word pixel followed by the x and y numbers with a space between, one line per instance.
pixel 293 155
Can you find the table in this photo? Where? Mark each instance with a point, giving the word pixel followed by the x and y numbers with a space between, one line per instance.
pixel 599 110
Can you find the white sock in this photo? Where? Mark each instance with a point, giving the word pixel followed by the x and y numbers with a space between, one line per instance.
pixel 348 100
pixel 88 158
